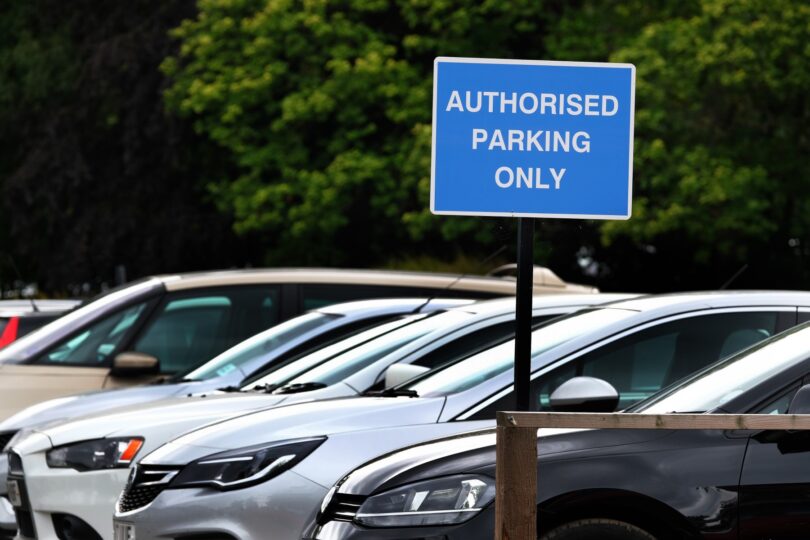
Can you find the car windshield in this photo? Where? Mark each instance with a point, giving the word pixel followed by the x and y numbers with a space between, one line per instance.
pixel 723 381
pixel 282 374
pixel 260 345
pixel 24 346
pixel 343 365
pixel 480 367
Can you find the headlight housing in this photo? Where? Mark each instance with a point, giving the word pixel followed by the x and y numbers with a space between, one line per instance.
pixel 440 501
pixel 95 455
pixel 236 469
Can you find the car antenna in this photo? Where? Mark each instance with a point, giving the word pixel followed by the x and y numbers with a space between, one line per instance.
pixel 731 280
pixel 459 278
pixel 10 258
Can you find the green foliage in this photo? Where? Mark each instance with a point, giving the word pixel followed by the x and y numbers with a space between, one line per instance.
pixel 325 108
pixel 311 133
pixel 721 136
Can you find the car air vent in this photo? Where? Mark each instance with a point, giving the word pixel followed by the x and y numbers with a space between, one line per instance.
pixel 5 437
pixel 342 507
pixel 144 485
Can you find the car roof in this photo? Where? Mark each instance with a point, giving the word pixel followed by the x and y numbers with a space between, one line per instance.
pixel 382 305
pixel 17 308
pixel 714 299
pixel 392 278
pixel 539 301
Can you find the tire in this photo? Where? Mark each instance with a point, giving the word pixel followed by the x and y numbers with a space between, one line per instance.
pixel 597 529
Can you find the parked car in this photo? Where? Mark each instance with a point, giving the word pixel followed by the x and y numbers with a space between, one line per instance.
pixel 21 317
pixel 278 345
pixel 429 339
pixel 623 485
pixel 168 324
pixel 265 473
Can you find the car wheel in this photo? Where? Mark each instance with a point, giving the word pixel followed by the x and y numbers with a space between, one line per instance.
pixel 597 529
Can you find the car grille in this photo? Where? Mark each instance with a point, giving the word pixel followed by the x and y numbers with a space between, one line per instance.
pixel 145 484
pixel 342 507
pixel 5 437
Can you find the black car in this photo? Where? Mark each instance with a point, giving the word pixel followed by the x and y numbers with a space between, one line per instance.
pixel 613 484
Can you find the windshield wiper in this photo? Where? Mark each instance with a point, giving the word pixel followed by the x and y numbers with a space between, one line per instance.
pixel 230 389
pixel 300 387
pixel 392 392
pixel 263 388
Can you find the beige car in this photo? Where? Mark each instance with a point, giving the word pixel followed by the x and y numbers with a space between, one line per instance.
pixel 165 325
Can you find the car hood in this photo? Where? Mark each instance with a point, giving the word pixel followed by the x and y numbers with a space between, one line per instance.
pixel 299 420
pixel 158 421
pixel 63 409
pixel 474 452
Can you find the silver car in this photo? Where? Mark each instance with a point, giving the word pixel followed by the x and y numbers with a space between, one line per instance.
pixel 281 343
pixel 264 475
pixel 60 492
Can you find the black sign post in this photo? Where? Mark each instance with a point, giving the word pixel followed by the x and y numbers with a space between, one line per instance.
pixel 523 313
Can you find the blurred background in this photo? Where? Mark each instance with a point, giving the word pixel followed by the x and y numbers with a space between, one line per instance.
pixel 155 136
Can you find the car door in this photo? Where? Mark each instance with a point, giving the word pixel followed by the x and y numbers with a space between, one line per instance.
pixel 645 359
pixel 775 480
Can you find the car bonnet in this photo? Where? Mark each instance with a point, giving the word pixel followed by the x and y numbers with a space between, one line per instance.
pixel 295 421
pixel 158 421
pixel 86 404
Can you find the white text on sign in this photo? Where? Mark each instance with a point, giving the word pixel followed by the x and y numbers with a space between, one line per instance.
pixel 531 140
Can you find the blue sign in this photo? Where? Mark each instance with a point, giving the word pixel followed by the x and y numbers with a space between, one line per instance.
pixel 532 138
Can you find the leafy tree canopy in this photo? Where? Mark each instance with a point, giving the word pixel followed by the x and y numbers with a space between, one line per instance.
pixel 325 109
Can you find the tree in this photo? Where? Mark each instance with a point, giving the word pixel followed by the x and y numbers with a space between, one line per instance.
pixel 325 109
pixel 721 169
pixel 93 173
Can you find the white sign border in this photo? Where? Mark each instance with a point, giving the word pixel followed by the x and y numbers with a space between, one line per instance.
pixel 464 60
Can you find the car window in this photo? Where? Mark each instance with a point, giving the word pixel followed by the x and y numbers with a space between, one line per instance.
pixel 188 330
pixel 29 324
pixel 640 364
pixel 480 367
pixel 343 365
pixel 94 345
pixel 35 344
pixel 260 344
pixel 728 379
pixel 779 404
pixel 473 343
pixel 281 374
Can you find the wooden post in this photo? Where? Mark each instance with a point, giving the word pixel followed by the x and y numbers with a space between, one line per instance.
pixel 516 481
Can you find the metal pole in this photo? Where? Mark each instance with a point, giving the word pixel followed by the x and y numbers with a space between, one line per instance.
pixel 523 313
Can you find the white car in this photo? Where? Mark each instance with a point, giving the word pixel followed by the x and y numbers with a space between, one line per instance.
pixel 68 495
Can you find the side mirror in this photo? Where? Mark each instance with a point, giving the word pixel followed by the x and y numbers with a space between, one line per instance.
pixel 584 394
pixel 397 374
pixel 134 364
pixel 800 404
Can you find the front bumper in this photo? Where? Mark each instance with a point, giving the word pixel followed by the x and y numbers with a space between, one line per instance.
pixel 278 509
pixel 89 496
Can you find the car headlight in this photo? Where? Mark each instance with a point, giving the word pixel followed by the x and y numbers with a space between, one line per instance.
pixel 440 501
pixel 235 469
pixel 95 455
